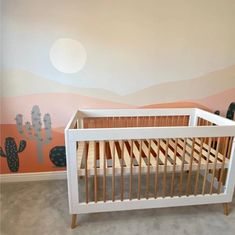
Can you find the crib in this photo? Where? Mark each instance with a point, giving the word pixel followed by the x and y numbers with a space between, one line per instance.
pixel 125 159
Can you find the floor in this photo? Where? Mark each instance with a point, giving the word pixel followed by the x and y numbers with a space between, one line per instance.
pixel 41 208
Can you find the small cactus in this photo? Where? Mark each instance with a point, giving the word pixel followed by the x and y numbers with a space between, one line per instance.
pixel 11 153
pixel 57 156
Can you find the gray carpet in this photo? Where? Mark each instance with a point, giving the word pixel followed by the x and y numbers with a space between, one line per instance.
pixel 42 208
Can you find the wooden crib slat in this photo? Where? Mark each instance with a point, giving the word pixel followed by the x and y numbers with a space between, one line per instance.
pixel 184 152
pixel 207 168
pixel 80 153
pixel 86 177
pixel 178 121
pixel 205 152
pixel 230 147
pixel 165 169
pixel 101 154
pixel 102 157
pixel 122 170
pixel 148 169
pixel 155 121
pixel 214 167
pixel 112 145
pixel 223 165
pixel 116 158
pixel 144 156
pixel 190 169
pixel 131 170
pixel 157 169
pixel 95 172
pixel 126 154
pixel 197 146
pixel 182 168
pixel 212 150
pixel 137 153
pixel 145 148
pixel 139 170
pixel 174 167
pixel 170 152
pixel 161 154
pixel 160 121
pixel 91 153
pixel 198 167
pixel 196 156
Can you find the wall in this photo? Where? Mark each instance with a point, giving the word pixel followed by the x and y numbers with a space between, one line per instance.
pixel 64 55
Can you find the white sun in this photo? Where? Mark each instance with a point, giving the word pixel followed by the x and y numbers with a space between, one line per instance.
pixel 68 55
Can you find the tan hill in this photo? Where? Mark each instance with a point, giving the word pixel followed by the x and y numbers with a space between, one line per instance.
pixel 20 83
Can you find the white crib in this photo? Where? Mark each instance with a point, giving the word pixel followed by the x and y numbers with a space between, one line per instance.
pixel 124 159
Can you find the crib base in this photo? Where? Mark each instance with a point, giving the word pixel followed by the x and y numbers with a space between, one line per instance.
pixel 74 216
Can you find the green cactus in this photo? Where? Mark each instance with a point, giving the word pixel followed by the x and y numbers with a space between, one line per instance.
pixel 34 131
pixel 11 153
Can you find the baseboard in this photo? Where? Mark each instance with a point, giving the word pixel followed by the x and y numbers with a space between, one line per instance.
pixel 38 176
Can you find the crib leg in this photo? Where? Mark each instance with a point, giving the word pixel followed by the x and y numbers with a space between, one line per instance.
pixel 226 208
pixel 74 221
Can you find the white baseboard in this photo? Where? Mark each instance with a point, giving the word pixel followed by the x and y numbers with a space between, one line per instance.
pixel 38 176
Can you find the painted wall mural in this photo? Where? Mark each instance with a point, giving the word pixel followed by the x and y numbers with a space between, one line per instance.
pixel 61 56
pixel 11 153
pixel 58 156
pixel 33 130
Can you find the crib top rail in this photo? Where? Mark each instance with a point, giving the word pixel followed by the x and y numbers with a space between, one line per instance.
pixel 83 113
pixel 221 126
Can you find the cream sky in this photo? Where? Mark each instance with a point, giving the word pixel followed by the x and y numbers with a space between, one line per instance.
pixel 130 45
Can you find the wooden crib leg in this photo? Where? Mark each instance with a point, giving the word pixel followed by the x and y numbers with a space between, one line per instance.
pixel 226 208
pixel 74 221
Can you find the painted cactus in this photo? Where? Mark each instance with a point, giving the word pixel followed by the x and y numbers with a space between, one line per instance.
pixel 11 153
pixel 33 130
pixel 57 156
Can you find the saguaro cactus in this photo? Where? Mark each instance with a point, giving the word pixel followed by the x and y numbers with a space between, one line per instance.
pixel 11 153
pixel 34 131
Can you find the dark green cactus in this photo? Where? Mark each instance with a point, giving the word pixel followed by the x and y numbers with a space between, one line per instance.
pixel 11 153
pixel 58 156
pixel 231 110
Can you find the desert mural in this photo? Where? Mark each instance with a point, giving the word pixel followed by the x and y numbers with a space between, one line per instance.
pixel 60 56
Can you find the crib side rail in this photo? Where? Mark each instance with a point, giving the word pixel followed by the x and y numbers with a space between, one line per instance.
pixel 93 118
pixel 83 113
pixel 217 171
pixel 149 133
pixel 223 146
pixel 211 118
pixel 216 133
pixel 189 162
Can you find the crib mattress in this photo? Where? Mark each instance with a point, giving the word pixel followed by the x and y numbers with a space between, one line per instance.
pixel 116 157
